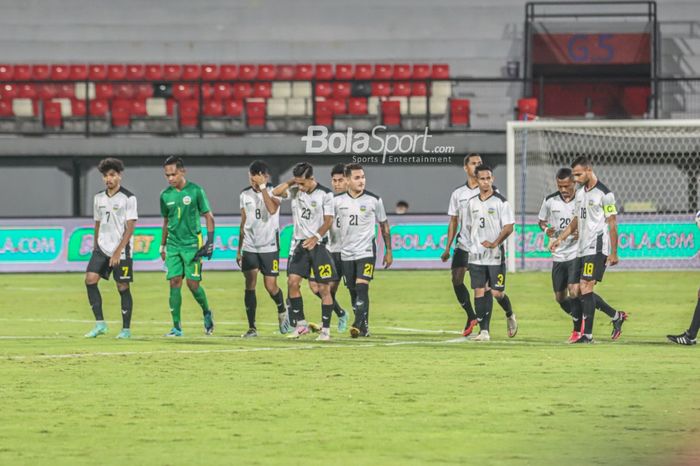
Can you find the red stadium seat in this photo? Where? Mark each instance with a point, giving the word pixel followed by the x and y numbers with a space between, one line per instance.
pixel 402 88
pixel 381 89
pixel 24 91
pixel 419 89
pixel 189 111
pixel 247 72
pixel 6 109
pixel 364 71
pixel 97 72
pixel 324 112
pixel 47 91
pixel 138 108
pixel 104 91
pixel 527 108
pixel 285 72
pixel 9 91
pixel 357 106
pixel 52 115
pixel 172 72
pixel 153 72
pixel 23 72
pixel 207 91
pixel 341 89
pixel 344 71
pixel 65 90
pixel 229 72
pixel 459 112
pixel 323 89
pixel 324 71
pixel 421 71
pixel 124 91
pixel 213 108
pixel 441 71
pixel 184 91
pixel 209 72
pixel 116 72
pixel 40 72
pixel 78 72
pixel 233 108
pixel 144 90
pixel 60 72
pixel 7 72
pixel 303 72
pixel 98 108
pixel 135 72
pixel 262 89
pixel 340 106
pixel 267 72
pixel 402 71
pixel 383 71
pixel 255 111
pixel 391 113
pixel 222 91
pixel 121 113
pixel 242 90
pixel 190 72
pixel 77 108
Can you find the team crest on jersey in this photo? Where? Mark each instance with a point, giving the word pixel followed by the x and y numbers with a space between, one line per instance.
pixel 491 210
pixel 187 200
pixel 591 202
pixel 115 207
pixel 363 208
pixel 313 204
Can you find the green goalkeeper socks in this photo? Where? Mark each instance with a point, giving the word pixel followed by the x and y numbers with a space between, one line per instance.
pixel 201 297
pixel 175 306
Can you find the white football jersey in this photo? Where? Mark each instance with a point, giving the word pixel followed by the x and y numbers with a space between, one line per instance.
pixel 485 220
pixel 558 214
pixel 261 229
pixel 309 210
pixel 457 208
pixel 358 218
pixel 593 207
pixel 113 212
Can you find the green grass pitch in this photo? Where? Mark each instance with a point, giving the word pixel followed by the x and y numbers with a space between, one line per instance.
pixel 404 396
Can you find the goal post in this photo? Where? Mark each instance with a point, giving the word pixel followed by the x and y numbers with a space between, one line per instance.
pixel 652 167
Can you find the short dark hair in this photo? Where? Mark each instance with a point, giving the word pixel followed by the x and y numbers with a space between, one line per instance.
pixel 110 163
pixel 564 173
pixel 174 160
pixel 483 168
pixel 469 156
pixel 352 166
pixel 582 161
pixel 303 170
pixel 402 204
pixel 258 167
pixel 338 169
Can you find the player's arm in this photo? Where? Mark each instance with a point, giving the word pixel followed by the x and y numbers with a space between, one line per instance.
pixel 568 231
pixel 386 236
pixel 241 234
pixel 164 236
pixel 282 188
pixel 208 249
pixel 96 235
pixel 451 233
pixel 311 243
pixel 505 232
pixel 612 224
pixel 128 232
pixel 543 220
pixel 271 204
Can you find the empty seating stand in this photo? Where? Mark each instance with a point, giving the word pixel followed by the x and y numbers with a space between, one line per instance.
pixel 225 97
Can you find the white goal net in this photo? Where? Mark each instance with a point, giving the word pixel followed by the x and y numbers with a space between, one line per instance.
pixel 652 166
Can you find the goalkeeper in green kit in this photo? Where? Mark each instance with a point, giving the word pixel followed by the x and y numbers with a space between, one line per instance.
pixel 182 205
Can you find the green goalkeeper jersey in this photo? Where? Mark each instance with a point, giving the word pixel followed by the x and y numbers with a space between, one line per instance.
pixel 183 209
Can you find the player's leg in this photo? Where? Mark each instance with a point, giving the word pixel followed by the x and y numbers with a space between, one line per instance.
pixel 559 286
pixel 325 273
pixel 460 264
pixel 589 272
pixel 689 337
pixel 193 274
pixel 497 281
pixel 483 305
pixel 337 308
pixel 250 266
pixel 298 268
pixel 123 276
pixel 97 268
pixel 176 270
pixel 270 268
pixel 326 311
pixel 576 311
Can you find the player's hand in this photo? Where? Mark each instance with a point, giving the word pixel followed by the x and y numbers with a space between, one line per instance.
pixel 258 180
pixel 445 255
pixel 114 260
pixel 488 244
pixel 239 257
pixel 550 232
pixel 388 259
pixel 554 245
pixel 612 260
pixel 205 251
pixel 310 243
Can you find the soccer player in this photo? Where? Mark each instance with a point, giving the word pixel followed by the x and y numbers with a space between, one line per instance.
pixel 489 220
pixel 258 244
pixel 312 214
pixel 339 184
pixel 182 205
pixel 595 219
pixel 689 337
pixel 556 213
pixel 115 214
pixel 357 212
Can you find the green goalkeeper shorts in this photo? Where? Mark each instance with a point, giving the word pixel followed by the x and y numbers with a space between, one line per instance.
pixel 180 262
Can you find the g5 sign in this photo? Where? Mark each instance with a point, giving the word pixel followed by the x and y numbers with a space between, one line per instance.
pixel 591 48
